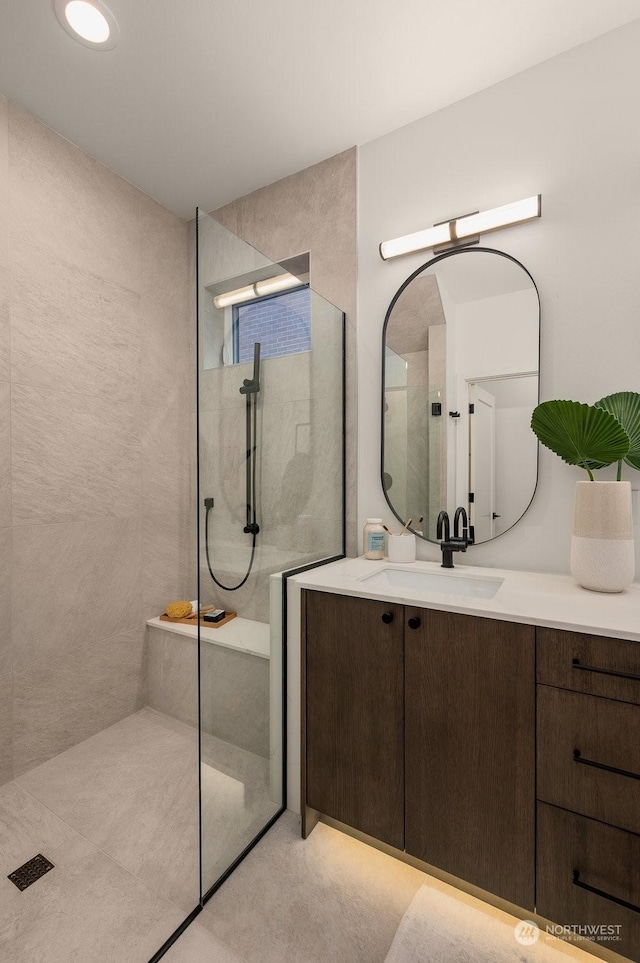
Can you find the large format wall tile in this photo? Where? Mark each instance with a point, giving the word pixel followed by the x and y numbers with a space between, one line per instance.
pixel 166 544
pixel 73 585
pixel 6 729
pixel 167 376
pixel 72 328
pixel 73 456
pixel 70 203
pixel 102 322
pixel 171 674
pixel 166 455
pixel 5 455
pixel 315 210
pixel 252 601
pixel 301 460
pixel 234 693
pixel 4 245
pixel 5 601
pixel 234 688
pixel 164 255
pixel 60 701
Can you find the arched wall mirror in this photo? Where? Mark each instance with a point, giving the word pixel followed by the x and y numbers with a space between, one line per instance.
pixel 461 349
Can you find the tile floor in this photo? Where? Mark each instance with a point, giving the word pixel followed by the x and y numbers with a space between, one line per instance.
pixel 118 816
pixel 327 899
pixel 122 885
pixel 332 899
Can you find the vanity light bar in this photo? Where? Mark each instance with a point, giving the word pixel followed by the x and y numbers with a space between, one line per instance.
pixel 258 290
pixel 469 226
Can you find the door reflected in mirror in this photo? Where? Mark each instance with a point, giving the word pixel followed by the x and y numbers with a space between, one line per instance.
pixel 460 382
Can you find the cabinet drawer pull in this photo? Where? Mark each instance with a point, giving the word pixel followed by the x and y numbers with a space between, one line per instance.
pixel 414 622
pixel 600 892
pixel 387 617
pixel 576 664
pixel 577 757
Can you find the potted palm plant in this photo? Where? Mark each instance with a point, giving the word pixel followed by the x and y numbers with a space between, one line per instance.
pixel 592 437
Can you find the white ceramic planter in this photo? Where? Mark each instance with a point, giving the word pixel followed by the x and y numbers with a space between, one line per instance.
pixel 602 555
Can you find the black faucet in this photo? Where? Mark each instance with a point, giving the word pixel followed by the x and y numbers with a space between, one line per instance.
pixel 459 541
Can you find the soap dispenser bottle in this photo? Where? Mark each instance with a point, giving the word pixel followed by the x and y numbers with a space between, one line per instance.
pixel 373 540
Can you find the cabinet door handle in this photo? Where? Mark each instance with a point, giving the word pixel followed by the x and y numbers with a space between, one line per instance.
pixel 414 622
pixel 600 892
pixel 576 664
pixel 387 617
pixel 577 757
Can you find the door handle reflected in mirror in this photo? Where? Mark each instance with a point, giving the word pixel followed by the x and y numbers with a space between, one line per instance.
pixel 414 622
pixel 387 617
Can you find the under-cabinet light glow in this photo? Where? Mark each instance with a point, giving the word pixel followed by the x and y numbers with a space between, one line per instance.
pixel 461 227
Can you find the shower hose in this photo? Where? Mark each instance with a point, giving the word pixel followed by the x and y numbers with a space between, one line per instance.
pixel 251 527
pixel 227 588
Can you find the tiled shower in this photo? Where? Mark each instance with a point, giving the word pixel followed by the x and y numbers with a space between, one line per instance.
pixel 140 760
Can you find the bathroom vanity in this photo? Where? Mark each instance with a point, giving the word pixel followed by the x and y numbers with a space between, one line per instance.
pixel 486 724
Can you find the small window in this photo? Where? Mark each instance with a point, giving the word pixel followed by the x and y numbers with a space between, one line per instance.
pixel 280 322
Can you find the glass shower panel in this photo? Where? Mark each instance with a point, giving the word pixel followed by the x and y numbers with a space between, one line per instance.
pixel 271 491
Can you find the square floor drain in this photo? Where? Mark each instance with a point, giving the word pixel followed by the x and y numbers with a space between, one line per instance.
pixel 30 871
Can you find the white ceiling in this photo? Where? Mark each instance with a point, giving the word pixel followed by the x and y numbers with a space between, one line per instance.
pixel 205 100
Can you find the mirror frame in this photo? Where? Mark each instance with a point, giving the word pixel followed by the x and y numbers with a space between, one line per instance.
pixel 405 284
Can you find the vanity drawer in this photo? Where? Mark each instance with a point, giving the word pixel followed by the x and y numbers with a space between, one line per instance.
pixel 589 663
pixel 589 756
pixel 606 859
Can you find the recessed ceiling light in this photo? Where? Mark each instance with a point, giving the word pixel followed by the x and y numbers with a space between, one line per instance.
pixel 90 22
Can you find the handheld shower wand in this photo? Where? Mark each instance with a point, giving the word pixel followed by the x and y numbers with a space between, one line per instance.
pixel 250 388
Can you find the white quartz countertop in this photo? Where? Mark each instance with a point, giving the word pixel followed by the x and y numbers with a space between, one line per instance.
pixel 530 597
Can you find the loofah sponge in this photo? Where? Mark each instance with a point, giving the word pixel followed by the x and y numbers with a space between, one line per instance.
pixel 179 610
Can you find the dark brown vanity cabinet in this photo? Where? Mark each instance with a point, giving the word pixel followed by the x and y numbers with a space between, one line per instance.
pixel 588 850
pixel 420 732
pixel 470 749
pixel 355 713
pixel 426 730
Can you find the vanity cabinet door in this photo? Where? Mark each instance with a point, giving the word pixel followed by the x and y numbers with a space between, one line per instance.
pixel 470 749
pixel 355 713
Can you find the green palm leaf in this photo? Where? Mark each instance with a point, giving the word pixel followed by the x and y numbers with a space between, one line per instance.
pixel 580 434
pixel 625 407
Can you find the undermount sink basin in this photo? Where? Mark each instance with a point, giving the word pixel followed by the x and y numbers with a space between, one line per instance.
pixel 471 586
